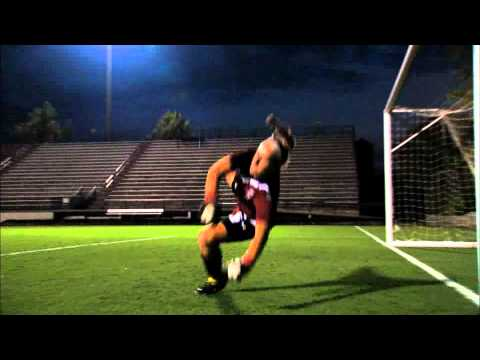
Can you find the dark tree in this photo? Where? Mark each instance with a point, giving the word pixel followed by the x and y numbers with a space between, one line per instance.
pixel 172 125
pixel 42 125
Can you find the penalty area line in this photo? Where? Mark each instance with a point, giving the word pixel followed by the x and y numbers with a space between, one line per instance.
pixel 83 245
pixel 462 290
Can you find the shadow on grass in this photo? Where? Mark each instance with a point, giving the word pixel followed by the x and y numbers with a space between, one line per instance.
pixel 226 304
pixel 362 281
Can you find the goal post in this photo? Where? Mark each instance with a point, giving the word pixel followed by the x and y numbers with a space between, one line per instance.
pixel 431 165
pixel 476 119
pixel 387 139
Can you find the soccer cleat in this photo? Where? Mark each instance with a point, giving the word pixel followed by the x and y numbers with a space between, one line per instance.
pixel 212 286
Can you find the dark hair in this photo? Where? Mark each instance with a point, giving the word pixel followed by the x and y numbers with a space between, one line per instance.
pixel 283 154
pixel 284 137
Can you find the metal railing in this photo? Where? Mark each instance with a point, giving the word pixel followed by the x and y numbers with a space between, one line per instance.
pixel 124 165
pixel 109 181
pixel 5 163
pixel 21 153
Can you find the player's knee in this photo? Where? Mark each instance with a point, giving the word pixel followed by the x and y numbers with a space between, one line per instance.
pixel 206 237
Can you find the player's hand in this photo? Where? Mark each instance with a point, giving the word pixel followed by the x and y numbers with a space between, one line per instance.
pixel 235 269
pixel 207 213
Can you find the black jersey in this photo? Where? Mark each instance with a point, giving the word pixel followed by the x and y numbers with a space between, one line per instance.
pixel 241 161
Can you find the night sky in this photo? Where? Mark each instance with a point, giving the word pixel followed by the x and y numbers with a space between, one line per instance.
pixel 217 86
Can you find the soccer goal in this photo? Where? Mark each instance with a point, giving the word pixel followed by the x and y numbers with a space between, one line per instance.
pixel 431 145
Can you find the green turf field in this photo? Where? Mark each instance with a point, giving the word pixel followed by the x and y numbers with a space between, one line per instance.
pixel 430 233
pixel 154 270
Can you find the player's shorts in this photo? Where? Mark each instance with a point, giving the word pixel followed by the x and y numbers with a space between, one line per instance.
pixel 239 226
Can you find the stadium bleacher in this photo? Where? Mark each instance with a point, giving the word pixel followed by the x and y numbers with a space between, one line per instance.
pixel 321 177
pixel 169 175
pixel 55 171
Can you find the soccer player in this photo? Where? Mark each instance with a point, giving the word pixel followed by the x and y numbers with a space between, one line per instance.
pixel 254 177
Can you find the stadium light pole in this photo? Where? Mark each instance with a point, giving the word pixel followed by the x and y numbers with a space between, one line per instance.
pixel 108 110
pixel 476 131
pixel 387 140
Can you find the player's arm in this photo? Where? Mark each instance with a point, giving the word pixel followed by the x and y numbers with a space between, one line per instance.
pixel 256 245
pixel 219 168
pixel 238 267
pixel 262 205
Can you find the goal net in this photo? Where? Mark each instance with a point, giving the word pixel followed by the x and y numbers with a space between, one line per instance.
pixel 429 151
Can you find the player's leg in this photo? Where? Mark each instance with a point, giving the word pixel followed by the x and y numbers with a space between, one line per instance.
pixel 234 228
pixel 209 241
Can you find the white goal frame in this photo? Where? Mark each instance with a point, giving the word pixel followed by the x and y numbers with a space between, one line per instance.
pixel 390 108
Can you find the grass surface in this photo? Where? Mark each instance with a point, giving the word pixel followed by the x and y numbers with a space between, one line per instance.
pixel 429 233
pixel 303 270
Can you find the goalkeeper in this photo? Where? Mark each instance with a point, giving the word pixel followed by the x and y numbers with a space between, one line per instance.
pixel 254 177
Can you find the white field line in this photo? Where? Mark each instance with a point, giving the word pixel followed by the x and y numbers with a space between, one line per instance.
pixel 462 290
pixel 84 245
pixel 124 241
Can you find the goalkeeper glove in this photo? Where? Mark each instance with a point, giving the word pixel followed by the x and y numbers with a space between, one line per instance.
pixel 236 270
pixel 207 213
